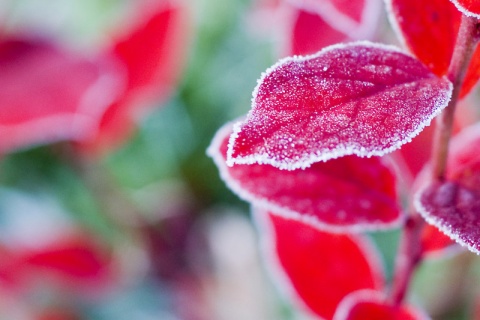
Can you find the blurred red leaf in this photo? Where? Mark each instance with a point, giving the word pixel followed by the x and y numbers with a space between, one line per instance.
pixel 317 268
pixel 473 73
pixel 311 33
pixel 362 98
pixel 351 16
pixel 51 94
pixel 424 25
pixel 306 26
pixel 416 154
pixel 435 242
pixel 76 260
pixel 345 194
pixel 453 205
pixel 153 53
pixel 371 305
pixel 10 267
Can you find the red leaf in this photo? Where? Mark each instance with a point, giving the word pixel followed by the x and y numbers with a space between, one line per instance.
pixel 468 7
pixel 153 50
pixel 317 268
pixel 473 74
pixel 346 194
pixel 51 94
pixel 353 9
pixel 76 259
pixel 11 269
pixel 362 98
pixel 453 205
pixel 424 25
pixel 352 16
pixel 153 54
pixel 371 305
pixel 416 154
pixel 317 24
pixel 311 33
pixel 435 242
pixel 453 209
pixel 306 26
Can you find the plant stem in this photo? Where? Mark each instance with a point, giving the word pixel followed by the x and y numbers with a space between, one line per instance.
pixel 408 257
pixel 466 41
pixel 410 250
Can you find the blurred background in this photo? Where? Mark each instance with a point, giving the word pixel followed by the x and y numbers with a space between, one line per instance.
pixel 133 223
pixel 109 206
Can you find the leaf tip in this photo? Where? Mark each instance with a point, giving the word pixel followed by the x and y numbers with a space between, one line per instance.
pixel 442 225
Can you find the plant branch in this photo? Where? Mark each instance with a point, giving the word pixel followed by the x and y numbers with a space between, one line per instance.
pixel 408 257
pixel 410 250
pixel 467 39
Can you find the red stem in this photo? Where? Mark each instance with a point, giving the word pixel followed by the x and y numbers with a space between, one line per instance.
pixel 464 48
pixel 408 258
pixel 410 251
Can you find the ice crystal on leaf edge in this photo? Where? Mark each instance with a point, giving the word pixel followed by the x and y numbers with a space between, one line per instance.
pixel 340 150
pixel 267 204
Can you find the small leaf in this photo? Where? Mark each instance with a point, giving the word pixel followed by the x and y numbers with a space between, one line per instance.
pixel 468 7
pixel 342 195
pixel 306 26
pixel 351 16
pixel 311 33
pixel 473 73
pixel 424 25
pixel 153 51
pixel 453 209
pixel 361 98
pixel 74 259
pixel 11 268
pixel 49 93
pixel 372 305
pixel 153 54
pixel 453 205
pixel 435 243
pixel 318 269
pixel 412 157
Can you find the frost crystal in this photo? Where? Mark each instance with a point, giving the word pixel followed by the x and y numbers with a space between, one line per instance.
pixel 368 101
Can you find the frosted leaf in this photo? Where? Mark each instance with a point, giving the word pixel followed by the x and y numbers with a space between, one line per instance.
pixel 469 8
pixel 453 205
pixel 50 94
pixel 370 304
pixel 423 25
pixel 369 101
pixel 343 195
pixel 317 269
pixel 454 209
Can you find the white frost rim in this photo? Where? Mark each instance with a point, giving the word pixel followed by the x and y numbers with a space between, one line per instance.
pixel 339 151
pixel 213 152
pixel 463 10
pixel 438 222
